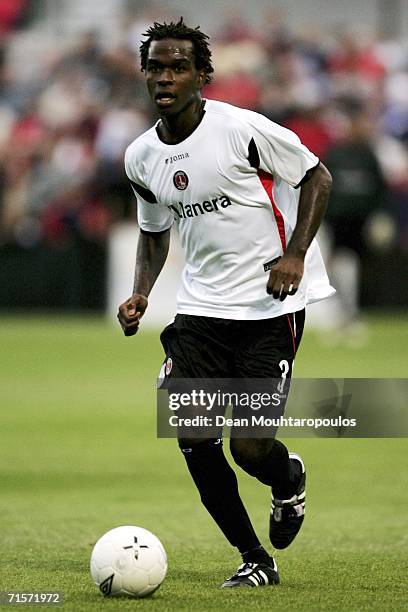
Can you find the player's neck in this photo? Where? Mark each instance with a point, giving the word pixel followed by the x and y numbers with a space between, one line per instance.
pixel 176 128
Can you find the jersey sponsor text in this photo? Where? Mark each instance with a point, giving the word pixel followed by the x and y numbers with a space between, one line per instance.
pixel 200 208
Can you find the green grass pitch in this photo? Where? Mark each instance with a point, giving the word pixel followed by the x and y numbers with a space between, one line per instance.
pixel 79 455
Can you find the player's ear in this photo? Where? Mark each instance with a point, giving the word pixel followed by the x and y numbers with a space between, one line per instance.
pixel 201 78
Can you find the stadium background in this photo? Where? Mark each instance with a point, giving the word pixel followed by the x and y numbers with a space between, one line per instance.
pixel 78 451
pixel 72 98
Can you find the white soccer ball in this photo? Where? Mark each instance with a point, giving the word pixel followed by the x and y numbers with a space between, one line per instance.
pixel 128 561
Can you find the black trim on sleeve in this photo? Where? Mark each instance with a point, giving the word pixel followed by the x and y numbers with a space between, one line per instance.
pixel 253 155
pixel 144 193
pixel 146 233
pixel 307 175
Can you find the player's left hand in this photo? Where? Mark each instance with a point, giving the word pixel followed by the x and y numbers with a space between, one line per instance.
pixel 285 277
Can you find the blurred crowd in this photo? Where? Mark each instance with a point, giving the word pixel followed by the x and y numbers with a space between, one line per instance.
pixel 64 127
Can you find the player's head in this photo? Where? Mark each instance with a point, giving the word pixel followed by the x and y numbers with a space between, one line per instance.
pixel 176 61
pixel 179 31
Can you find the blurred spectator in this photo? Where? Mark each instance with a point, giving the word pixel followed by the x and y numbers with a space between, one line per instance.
pixel 354 66
pixel 358 192
pixel 235 29
pixel 358 183
pixel 240 89
pixel 276 34
pixel 115 128
pixel 309 125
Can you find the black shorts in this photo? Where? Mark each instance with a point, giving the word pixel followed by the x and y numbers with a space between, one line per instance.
pixel 208 347
pixel 216 352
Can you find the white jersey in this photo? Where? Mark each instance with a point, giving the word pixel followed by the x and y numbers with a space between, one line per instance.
pixel 230 188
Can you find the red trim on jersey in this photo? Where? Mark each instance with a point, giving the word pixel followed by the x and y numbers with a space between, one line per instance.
pixel 267 183
pixel 292 333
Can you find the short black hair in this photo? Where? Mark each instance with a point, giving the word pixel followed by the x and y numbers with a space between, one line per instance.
pixel 179 30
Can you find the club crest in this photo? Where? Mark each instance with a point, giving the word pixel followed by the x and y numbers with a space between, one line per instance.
pixel 168 366
pixel 180 180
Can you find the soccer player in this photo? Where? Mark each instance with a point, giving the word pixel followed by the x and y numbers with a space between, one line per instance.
pixel 247 199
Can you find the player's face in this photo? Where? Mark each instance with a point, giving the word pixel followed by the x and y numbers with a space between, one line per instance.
pixel 173 81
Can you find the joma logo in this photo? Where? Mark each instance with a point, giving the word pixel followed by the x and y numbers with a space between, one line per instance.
pixel 174 158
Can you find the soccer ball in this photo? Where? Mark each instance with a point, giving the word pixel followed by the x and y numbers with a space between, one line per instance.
pixel 128 561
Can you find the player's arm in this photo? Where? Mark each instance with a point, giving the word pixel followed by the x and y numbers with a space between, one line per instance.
pixel 155 222
pixel 279 152
pixel 286 275
pixel 152 250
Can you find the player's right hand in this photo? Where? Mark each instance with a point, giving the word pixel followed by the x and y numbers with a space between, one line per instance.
pixel 130 313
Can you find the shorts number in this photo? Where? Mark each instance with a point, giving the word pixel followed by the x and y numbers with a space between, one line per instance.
pixel 284 366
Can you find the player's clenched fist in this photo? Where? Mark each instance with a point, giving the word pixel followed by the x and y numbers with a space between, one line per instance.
pixel 285 277
pixel 130 313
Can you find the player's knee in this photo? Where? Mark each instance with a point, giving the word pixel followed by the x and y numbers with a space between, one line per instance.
pixel 250 454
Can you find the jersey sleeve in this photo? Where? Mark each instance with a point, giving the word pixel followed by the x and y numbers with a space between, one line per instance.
pixel 280 151
pixel 151 215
